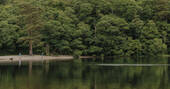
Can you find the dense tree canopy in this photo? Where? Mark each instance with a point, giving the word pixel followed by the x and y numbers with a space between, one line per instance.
pixel 85 27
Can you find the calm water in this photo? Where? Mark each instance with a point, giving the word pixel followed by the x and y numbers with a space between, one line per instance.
pixel 86 74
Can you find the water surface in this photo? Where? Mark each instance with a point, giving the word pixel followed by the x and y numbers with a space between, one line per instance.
pixel 86 74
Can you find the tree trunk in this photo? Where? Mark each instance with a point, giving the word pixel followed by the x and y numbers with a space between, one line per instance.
pixel 30 42
pixel 95 31
pixel 30 48
pixel 47 49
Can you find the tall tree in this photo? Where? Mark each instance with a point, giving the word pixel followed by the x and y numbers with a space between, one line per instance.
pixel 32 19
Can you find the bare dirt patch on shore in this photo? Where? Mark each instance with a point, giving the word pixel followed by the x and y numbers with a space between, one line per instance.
pixel 33 58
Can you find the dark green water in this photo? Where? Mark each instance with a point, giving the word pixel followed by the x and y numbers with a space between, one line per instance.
pixel 86 74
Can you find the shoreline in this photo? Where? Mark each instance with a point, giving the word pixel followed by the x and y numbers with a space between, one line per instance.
pixel 15 58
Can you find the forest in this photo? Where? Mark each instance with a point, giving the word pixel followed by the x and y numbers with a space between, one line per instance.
pixel 85 27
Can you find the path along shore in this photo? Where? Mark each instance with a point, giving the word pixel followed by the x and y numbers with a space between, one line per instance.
pixel 14 58
pixel 4 59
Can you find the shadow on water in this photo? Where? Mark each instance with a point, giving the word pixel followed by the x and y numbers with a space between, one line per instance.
pixel 82 74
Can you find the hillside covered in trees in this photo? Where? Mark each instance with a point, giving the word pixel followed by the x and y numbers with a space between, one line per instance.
pixel 85 27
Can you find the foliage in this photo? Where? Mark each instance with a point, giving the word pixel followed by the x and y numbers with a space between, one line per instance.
pixel 86 27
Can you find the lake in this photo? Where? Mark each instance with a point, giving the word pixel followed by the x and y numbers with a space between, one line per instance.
pixel 88 74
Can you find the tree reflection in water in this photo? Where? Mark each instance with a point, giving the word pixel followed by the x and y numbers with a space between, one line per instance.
pixel 75 75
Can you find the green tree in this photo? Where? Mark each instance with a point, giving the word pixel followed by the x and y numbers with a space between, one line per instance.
pixel 32 21
pixel 162 8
